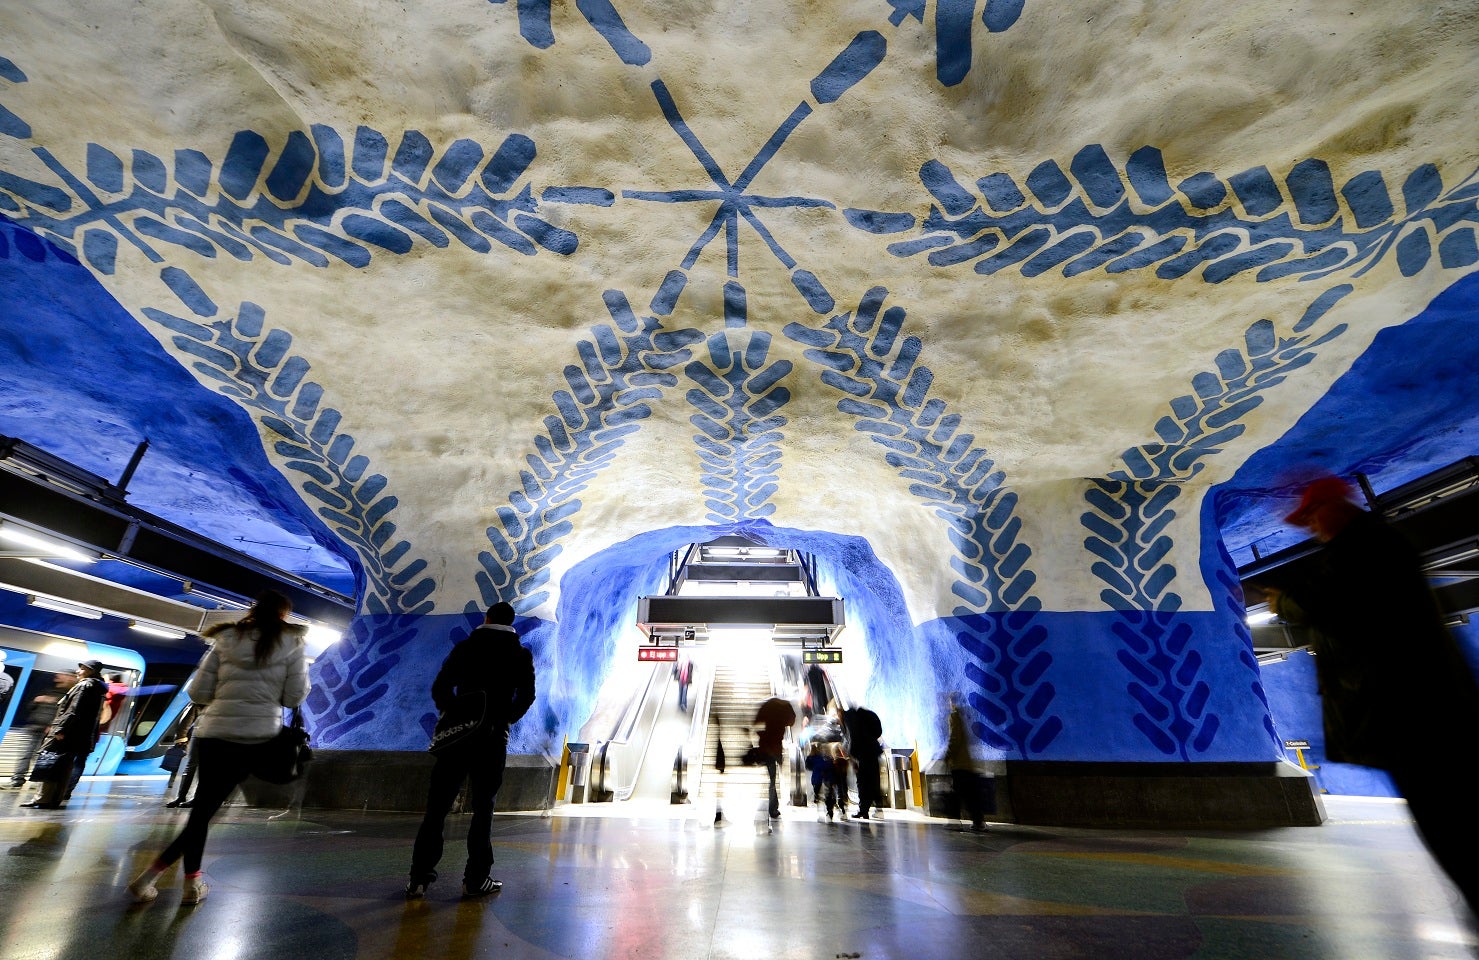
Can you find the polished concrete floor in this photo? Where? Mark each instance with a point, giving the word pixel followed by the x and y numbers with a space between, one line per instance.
pixel 670 883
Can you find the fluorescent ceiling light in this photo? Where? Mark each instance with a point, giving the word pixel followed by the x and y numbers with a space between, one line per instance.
pixel 62 606
pixel 52 548
pixel 1261 617
pixel 155 630
pixel 318 639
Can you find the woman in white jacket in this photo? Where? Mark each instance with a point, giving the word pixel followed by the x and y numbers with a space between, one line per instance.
pixel 254 669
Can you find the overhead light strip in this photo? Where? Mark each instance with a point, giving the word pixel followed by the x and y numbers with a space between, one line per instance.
pixel 50 548
pixel 63 606
pixel 157 630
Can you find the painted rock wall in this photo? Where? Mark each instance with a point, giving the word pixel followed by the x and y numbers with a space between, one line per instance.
pixel 977 301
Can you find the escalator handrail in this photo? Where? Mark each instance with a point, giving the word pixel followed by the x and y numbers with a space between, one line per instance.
pixel 633 711
pixel 698 730
pixel 600 764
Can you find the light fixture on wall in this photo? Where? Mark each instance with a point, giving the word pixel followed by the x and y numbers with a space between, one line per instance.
pixel 1260 618
pixel 156 630
pixel 53 549
pixel 62 606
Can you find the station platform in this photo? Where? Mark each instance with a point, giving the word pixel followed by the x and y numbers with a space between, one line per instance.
pixel 626 882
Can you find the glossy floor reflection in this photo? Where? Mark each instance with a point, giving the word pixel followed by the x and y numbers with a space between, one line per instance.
pixel 326 885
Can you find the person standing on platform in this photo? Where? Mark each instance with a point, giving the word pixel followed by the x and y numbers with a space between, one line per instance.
pixel 254 668
pixel 6 684
pixel 774 718
pixel 188 763
pixel 816 684
pixel 73 733
pixel 114 693
pixel 40 712
pixel 490 661
pixel 1396 691
pixel 864 743
pixel 969 789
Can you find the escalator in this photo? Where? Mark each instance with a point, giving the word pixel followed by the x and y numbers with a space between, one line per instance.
pixel 732 608
pixel 739 689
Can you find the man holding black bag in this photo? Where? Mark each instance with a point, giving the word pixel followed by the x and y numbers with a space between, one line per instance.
pixel 71 737
pixel 484 686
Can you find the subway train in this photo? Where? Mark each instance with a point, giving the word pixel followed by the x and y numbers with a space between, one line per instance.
pixel 41 666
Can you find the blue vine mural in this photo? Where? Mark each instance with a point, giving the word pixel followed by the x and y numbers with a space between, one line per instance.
pixel 1096 216
pixel 886 392
pixel 736 398
pixel 623 369
pixel 323 196
pixel 309 200
pixel 1130 509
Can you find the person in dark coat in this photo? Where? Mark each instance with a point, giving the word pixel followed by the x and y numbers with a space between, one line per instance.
pixel 816 684
pixel 774 718
pixel 491 661
pixel 969 789
pixel 74 732
pixel 1396 691
pixel 864 744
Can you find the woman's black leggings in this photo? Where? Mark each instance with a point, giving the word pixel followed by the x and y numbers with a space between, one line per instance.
pixel 223 765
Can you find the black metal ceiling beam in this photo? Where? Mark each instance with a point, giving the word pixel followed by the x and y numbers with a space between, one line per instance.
pixel 45 493
pixel 1438 514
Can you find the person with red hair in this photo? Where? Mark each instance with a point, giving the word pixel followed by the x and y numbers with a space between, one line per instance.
pixel 1396 692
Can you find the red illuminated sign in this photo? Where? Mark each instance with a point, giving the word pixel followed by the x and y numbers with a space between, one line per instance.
pixel 657 653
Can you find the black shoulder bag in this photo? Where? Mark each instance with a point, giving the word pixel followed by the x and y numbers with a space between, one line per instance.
pixel 467 715
pixel 284 758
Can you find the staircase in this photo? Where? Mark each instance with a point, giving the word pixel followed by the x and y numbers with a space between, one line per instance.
pixel 738 692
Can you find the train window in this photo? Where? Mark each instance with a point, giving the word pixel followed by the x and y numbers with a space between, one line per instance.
pixel 162 683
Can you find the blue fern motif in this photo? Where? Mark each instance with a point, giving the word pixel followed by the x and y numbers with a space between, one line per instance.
pixel 737 398
pixel 352 675
pixel 1130 509
pixel 1126 523
pixel 886 391
pixel 253 365
pixel 1097 216
pixel 1201 422
pixel 314 200
pixel 622 369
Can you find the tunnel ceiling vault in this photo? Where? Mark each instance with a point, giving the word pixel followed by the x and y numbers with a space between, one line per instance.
pixel 995 286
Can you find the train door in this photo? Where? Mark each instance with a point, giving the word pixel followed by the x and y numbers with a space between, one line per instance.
pixel 18 667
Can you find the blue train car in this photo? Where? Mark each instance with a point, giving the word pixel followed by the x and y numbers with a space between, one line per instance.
pixel 158 720
pixel 40 667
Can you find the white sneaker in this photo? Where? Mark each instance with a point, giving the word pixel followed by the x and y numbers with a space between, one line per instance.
pixel 482 888
pixel 143 889
pixel 195 890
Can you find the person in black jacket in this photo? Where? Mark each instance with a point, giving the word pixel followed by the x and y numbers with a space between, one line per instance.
pixel 74 732
pixel 1396 691
pixel 491 661
pixel 864 733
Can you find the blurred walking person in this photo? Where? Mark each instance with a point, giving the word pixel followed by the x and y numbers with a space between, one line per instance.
pixel 1396 691
pixel 254 669
pixel 774 718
